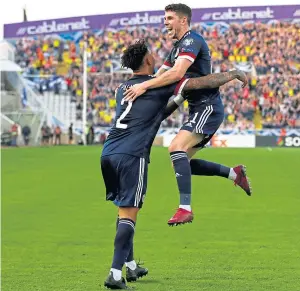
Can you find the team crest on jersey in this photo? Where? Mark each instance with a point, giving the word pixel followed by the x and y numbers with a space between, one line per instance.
pixel 188 41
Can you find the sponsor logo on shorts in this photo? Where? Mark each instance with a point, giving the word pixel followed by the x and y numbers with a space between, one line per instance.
pixel 189 124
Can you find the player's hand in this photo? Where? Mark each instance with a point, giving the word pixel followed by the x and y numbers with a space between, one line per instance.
pixel 134 92
pixel 241 76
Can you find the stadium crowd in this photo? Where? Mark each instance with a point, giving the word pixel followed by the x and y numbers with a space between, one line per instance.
pixel 271 100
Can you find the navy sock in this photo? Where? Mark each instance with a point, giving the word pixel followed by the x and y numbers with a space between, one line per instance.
pixel 130 255
pixel 183 175
pixel 123 242
pixel 205 168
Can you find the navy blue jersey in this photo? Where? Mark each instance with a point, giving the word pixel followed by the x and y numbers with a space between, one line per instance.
pixel 137 123
pixel 193 47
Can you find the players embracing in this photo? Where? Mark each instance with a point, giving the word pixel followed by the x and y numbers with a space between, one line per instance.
pixel 126 152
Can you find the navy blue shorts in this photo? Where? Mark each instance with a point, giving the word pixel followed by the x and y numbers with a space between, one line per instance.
pixel 206 120
pixel 125 179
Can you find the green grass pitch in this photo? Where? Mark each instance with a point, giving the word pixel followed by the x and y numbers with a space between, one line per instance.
pixel 58 230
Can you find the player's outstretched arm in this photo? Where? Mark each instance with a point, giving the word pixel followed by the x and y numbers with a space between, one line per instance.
pixel 171 76
pixel 215 80
pixel 160 71
pixel 210 81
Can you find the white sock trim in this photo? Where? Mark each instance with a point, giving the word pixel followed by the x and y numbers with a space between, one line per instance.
pixel 186 207
pixel 232 174
pixel 178 99
pixel 117 274
pixel 131 265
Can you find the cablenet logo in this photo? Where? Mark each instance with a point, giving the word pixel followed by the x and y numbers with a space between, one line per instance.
pixel 53 26
pixel 237 14
pixel 138 19
pixel 297 13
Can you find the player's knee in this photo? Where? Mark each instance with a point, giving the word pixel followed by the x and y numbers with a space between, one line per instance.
pixel 128 212
pixel 176 146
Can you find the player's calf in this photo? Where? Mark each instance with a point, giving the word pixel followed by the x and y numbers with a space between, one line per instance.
pixel 205 168
pixel 178 148
pixel 133 269
pixel 122 244
pixel 237 174
pixel 183 176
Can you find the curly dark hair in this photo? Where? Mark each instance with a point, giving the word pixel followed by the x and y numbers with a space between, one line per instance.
pixel 133 56
pixel 180 9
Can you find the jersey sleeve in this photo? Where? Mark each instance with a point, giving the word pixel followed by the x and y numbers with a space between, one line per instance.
pixel 189 48
pixel 167 63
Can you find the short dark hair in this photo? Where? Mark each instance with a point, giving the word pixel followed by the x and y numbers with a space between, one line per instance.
pixel 134 55
pixel 180 9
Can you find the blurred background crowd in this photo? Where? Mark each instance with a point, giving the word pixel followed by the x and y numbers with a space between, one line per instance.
pixel 271 100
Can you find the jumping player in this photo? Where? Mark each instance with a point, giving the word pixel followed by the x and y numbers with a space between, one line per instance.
pixel 190 57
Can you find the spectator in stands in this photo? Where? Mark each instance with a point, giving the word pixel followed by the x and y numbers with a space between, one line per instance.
pixel 70 131
pixel 56 88
pixel 91 135
pixel 26 131
pixel 45 131
pixel 14 134
pixel 51 134
pixel 57 133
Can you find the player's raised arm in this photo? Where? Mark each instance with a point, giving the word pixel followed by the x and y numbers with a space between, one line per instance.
pixel 160 71
pixel 165 66
pixel 215 80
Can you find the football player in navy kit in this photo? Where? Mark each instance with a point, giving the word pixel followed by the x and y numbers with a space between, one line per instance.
pixel 190 57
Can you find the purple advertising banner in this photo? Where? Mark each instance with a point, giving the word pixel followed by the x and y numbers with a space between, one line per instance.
pixel 152 18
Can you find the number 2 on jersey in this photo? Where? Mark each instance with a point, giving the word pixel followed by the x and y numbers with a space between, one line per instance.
pixel 123 115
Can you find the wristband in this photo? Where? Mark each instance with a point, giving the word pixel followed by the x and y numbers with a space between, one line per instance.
pixel 178 99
